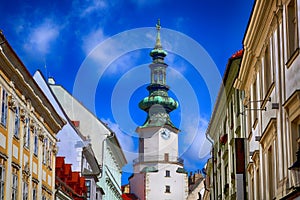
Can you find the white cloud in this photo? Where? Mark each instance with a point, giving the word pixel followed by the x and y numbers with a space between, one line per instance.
pixel 93 6
pixel 86 8
pixel 115 51
pixel 126 141
pixel 195 141
pixel 145 3
pixel 41 37
pixel 90 41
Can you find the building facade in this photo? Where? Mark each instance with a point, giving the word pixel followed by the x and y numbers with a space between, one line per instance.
pixel 79 153
pixel 158 171
pixel 103 141
pixel 28 129
pixel 270 78
pixel 227 169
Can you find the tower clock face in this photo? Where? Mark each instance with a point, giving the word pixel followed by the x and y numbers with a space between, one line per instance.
pixel 165 134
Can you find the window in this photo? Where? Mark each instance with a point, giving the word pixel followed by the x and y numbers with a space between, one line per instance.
pixel 2 179
pixel 168 189
pixel 231 114
pixel 226 174
pixel 292 27
pixel 4 108
pixel 14 195
pixel 255 101
pixel 295 135
pixel 249 121
pixel 17 122
pixel 238 111
pixel 25 191
pixel 49 152
pixel 26 133
pixel 88 189
pixel 36 143
pixel 167 173
pixel 34 194
pixel 155 77
pixel 257 184
pixel 270 172
pixel 267 70
pixel 45 148
pixel 166 157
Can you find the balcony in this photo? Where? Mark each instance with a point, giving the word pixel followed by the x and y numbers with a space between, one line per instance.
pixel 158 159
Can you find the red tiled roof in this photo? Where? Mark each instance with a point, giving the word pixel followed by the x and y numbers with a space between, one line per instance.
pixel 60 161
pixel 129 196
pixel 237 54
pixel 69 181
pixel 75 177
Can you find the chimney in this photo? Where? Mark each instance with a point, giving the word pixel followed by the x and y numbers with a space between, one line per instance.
pixel 51 81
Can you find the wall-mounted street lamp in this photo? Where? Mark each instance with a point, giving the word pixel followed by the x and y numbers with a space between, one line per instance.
pixel 295 170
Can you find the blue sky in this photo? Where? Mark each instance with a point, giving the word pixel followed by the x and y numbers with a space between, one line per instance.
pixel 65 35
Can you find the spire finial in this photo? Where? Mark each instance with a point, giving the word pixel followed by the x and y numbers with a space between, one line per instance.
pixel 158 43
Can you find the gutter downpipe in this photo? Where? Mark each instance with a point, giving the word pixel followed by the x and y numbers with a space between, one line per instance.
pixel 213 165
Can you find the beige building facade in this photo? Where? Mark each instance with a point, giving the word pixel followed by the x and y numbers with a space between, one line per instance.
pixel 270 78
pixel 28 125
pixel 226 170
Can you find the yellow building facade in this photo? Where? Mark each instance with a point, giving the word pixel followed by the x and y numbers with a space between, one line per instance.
pixel 28 125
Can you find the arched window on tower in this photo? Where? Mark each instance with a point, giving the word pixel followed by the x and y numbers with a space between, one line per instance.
pixel 161 77
pixel 155 77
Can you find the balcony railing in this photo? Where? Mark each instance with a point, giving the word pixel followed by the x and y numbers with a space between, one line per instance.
pixel 159 159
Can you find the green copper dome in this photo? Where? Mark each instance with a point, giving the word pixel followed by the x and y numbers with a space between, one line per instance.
pixel 167 102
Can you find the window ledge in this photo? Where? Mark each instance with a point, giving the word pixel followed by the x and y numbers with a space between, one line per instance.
pixel 292 57
pixel 16 137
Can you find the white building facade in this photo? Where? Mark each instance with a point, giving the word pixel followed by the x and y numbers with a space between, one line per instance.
pixel 79 152
pixel 103 141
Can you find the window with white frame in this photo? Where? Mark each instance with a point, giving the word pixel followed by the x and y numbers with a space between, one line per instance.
pixel 14 192
pixel 25 190
pixel 26 133
pixel 2 180
pixel 4 107
pixel 292 27
pixel 88 189
pixel 36 142
pixel 17 122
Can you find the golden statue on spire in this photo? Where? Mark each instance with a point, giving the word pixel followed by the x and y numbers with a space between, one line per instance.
pixel 158 25
pixel 158 43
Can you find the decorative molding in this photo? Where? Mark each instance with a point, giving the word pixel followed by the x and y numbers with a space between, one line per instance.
pixel 26 171
pixel 12 103
pixel 55 150
pixel 22 114
pixel 41 135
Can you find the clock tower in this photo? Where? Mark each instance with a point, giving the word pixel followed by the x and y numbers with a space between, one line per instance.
pixel 158 170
